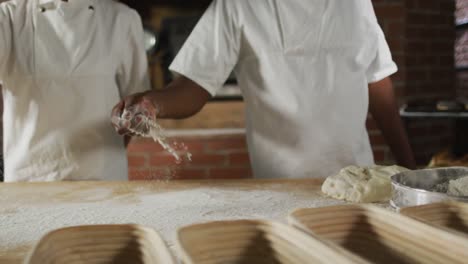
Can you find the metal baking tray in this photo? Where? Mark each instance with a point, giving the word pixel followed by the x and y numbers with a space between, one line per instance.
pixel 414 188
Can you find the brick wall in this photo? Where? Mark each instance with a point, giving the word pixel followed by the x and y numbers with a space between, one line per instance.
pixel 421 36
pixel 213 156
pixel 461 49
pixel 462 84
pixel 461 60
pixel 430 70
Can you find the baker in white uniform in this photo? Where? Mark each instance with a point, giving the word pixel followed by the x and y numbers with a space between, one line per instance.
pixel 63 65
pixel 309 71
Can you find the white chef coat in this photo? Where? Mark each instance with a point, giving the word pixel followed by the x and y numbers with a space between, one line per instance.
pixel 64 65
pixel 304 68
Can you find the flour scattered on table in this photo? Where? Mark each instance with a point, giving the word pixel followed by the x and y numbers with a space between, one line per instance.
pixel 165 212
pixel 441 187
pixel 458 187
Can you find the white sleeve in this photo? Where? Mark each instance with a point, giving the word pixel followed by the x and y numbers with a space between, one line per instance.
pixel 132 75
pixel 5 39
pixel 382 65
pixel 211 52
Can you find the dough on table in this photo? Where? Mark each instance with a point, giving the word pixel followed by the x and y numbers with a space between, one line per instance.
pixel 362 184
pixel 458 187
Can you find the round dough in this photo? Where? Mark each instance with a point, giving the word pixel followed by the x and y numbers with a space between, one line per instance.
pixel 362 184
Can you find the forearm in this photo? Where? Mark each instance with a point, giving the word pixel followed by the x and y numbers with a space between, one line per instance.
pixel 180 99
pixel 384 110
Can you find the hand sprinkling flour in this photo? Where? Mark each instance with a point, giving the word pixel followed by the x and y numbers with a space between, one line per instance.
pixel 141 122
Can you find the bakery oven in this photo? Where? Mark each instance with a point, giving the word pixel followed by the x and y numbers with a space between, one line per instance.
pixel 454 110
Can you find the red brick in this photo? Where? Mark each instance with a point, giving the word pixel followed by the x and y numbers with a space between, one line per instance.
pixel 135 175
pixel 192 145
pixel 446 60
pixel 396 30
pixel 135 161
pixel 395 45
pixel 226 144
pixel 446 33
pixel 443 47
pixel 144 146
pixel 420 74
pixel 418 32
pixel 230 173
pixel 419 131
pixel 162 159
pixel 447 6
pixel 208 159
pixel 428 4
pixel 390 11
pixel 399 60
pixel 441 127
pixel 417 18
pixel 149 174
pixel 190 174
pixel 418 46
pixel 239 159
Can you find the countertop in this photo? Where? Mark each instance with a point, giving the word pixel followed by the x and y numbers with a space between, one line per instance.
pixel 30 210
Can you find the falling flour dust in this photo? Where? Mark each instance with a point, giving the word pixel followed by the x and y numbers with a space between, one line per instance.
pixel 164 212
pixel 143 126
pixel 149 128
pixel 156 132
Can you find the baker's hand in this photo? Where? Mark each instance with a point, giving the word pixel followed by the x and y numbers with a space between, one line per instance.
pixel 128 115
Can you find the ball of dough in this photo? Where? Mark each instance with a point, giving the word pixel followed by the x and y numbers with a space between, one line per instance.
pixel 362 184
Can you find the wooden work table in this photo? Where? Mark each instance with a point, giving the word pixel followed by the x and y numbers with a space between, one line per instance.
pixel 29 210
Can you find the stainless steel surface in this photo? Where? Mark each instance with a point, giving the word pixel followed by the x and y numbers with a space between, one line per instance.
pixel 413 188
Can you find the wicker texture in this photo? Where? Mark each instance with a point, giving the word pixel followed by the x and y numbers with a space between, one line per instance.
pixel 101 244
pixel 451 216
pixel 381 236
pixel 259 242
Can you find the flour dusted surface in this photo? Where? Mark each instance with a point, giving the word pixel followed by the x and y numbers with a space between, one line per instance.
pixel 458 187
pixel 25 223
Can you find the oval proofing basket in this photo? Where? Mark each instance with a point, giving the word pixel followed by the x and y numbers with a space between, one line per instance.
pixel 101 244
pixel 381 236
pixel 451 216
pixel 248 241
